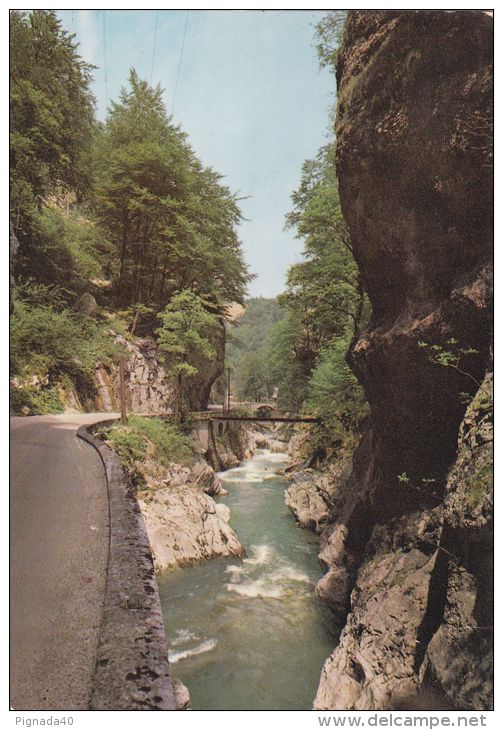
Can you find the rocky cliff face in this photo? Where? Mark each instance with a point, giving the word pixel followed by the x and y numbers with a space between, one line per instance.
pixel 412 538
pixel 148 387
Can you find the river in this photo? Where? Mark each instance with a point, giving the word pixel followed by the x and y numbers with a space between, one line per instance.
pixel 251 634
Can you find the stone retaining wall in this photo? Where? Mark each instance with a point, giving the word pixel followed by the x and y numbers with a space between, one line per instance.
pixel 132 666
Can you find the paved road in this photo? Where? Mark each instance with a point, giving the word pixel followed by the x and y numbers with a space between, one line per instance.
pixel 59 554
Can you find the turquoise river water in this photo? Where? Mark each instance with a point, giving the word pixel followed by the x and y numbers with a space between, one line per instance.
pixel 251 634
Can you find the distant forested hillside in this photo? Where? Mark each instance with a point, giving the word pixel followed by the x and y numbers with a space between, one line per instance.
pixel 250 342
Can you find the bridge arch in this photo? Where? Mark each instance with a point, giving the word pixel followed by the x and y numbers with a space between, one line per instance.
pixel 265 410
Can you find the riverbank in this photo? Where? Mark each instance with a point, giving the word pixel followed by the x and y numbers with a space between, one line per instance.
pixel 175 485
pixel 314 497
pixel 251 634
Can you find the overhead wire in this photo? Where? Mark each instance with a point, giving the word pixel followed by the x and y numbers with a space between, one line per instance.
pixel 180 62
pixel 104 24
pixel 153 48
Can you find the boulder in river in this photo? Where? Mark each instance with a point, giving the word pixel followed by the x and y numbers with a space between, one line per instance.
pixel 185 526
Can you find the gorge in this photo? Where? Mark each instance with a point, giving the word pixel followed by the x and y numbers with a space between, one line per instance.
pixel 251 634
pixel 345 564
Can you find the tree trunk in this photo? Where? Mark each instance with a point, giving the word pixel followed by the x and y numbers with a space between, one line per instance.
pixel 179 396
pixel 123 252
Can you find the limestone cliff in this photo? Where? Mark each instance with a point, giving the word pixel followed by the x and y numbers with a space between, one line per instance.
pixel 184 523
pixel 411 534
pixel 148 387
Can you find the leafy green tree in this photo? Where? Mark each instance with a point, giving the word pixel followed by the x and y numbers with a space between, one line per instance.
pixel 329 34
pixel 336 397
pixel 252 376
pixel 171 221
pixel 324 301
pixel 248 343
pixel 326 286
pixel 290 367
pixel 52 126
pixel 186 339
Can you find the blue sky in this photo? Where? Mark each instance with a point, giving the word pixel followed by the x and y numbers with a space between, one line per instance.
pixel 250 94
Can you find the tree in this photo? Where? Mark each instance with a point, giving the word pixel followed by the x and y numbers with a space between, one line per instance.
pixel 324 300
pixel 185 339
pixel 252 377
pixel 290 367
pixel 172 222
pixel 329 35
pixel 248 342
pixel 52 126
pixel 336 397
pixel 326 286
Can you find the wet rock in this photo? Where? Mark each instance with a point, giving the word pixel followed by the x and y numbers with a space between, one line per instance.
pixel 181 694
pixel 228 458
pixel 276 446
pixel 236 444
pixel 204 477
pixel 376 660
pixel 298 446
pixel 184 526
pixel 308 501
pixel 317 499
pixel 154 476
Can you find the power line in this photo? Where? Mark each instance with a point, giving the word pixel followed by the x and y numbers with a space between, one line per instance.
pixel 104 22
pixel 153 49
pixel 180 62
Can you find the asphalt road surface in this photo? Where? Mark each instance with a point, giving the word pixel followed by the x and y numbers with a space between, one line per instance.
pixel 59 551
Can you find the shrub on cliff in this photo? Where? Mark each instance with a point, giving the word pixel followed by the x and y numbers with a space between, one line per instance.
pixel 45 341
pixel 148 437
pixel 34 401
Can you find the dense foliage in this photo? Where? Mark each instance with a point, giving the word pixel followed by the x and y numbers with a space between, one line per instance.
pixel 148 437
pixel 171 221
pixel 52 124
pixel 123 211
pixel 249 345
pixel 185 338
pixel 324 302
